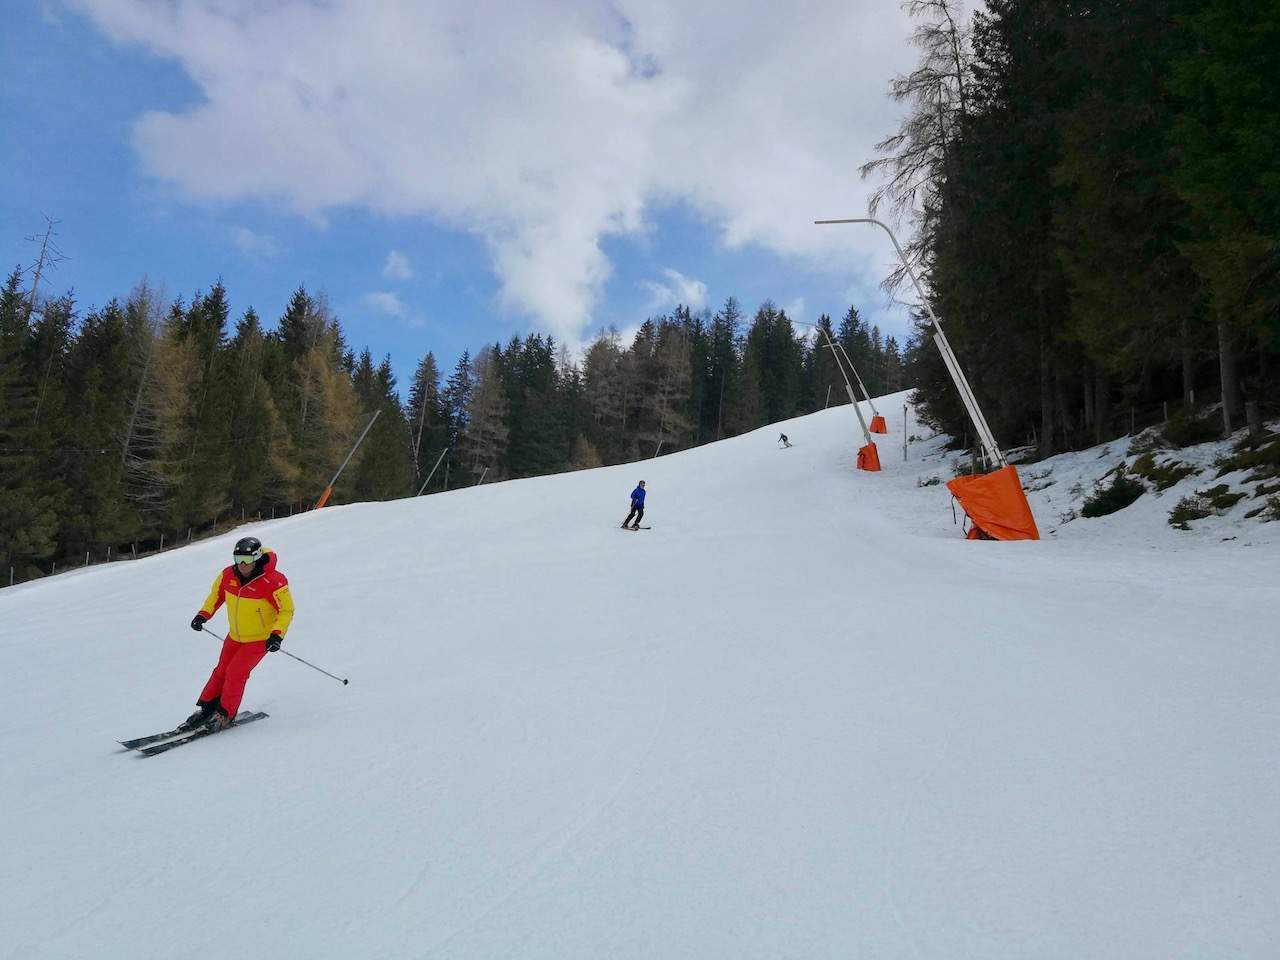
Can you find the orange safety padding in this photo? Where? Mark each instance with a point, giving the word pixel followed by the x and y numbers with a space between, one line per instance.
pixel 996 505
pixel 878 424
pixel 869 458
pixel 324 497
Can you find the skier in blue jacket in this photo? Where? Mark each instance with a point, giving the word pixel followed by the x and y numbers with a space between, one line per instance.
pixel 637 507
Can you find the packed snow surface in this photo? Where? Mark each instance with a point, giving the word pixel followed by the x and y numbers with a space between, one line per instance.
pixel 800 717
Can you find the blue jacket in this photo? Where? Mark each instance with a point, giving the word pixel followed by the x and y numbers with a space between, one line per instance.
pixel 637 497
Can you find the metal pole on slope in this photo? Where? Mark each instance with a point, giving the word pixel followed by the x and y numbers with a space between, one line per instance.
pixel 342 680
pixel 990 449
pixel 866 434
pixel 328 490
pixel 433 471
pixel 857 376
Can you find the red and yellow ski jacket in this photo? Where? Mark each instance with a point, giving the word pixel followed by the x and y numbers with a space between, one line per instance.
pixel 256 608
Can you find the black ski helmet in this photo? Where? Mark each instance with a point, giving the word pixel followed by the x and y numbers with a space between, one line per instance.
pixel 247 547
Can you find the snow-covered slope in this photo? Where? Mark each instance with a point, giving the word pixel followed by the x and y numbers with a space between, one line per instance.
pixel 798 718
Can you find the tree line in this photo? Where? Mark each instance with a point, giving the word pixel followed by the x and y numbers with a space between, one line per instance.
pixel 1094 187
pixel 146 419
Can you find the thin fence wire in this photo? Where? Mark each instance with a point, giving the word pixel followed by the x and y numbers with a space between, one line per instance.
pixel 28 572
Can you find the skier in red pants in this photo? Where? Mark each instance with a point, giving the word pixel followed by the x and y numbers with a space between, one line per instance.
pixel 259 609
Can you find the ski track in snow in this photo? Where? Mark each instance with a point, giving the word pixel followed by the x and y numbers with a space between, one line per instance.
pixel 800 718
pixel 544 856
pixel 525 869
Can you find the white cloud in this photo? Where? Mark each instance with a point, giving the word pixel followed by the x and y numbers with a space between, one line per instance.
pixel 397 266
pixel 678 289
pixel 795 310
pixel 256 246
pixel 544 129
pixel 388 303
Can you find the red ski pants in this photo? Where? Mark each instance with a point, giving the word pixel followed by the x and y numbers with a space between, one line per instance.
pixel 232 673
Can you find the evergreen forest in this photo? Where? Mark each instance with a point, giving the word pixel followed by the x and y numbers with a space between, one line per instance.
pixel 1094 195
pixel 146 423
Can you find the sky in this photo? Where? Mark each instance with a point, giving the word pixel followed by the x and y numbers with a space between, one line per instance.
pixel 454 173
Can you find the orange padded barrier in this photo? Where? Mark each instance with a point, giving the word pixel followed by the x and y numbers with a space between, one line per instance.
pixel 996 505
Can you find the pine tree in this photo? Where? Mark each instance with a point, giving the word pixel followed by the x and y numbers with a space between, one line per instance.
pixel 573 412
pixel 204 494
pixel 98 364
pixel 44 367
pixel 1122 230
pixel 484 437
pixel 28 517
pixel 427 420
pixel 262 471
pixel 1225 70
pixel 773 357
pixel 384 470
pixel 457 398
pixel 538 443
pixel 315 395
pixel 894 374
pixel 697 336
pixel 827 383
pixel 333 418
pixel 667 389
pixel 722 386
pixel 602 387
pixel 585 456
pixel 145 476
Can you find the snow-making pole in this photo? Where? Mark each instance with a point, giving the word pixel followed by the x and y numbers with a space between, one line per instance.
pixel 868 456
pixel 328 490
pixel 866 434
pixel 990 450
pixel 861 386
pixel 433 471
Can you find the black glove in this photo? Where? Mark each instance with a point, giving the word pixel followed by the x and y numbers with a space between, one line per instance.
pixel 273 642
pixel 197 622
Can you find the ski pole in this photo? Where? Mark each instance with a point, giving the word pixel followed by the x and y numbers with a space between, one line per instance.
pixel 287 653
pixel 313 666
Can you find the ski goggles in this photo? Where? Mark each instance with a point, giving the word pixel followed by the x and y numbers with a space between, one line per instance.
pixel 246 558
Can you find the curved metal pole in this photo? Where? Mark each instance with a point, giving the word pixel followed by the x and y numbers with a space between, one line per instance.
pixel 988 440
pixel 847 385
pixel 866 434
pixel 861 386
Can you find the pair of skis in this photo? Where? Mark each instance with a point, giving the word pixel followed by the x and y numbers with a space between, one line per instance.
pixel 156 743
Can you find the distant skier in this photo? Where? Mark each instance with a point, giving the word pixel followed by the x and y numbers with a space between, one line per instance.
pixel 782 439
pixel 637 507
pixel 259 609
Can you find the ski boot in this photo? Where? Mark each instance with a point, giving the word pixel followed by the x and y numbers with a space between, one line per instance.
pixel 204 715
